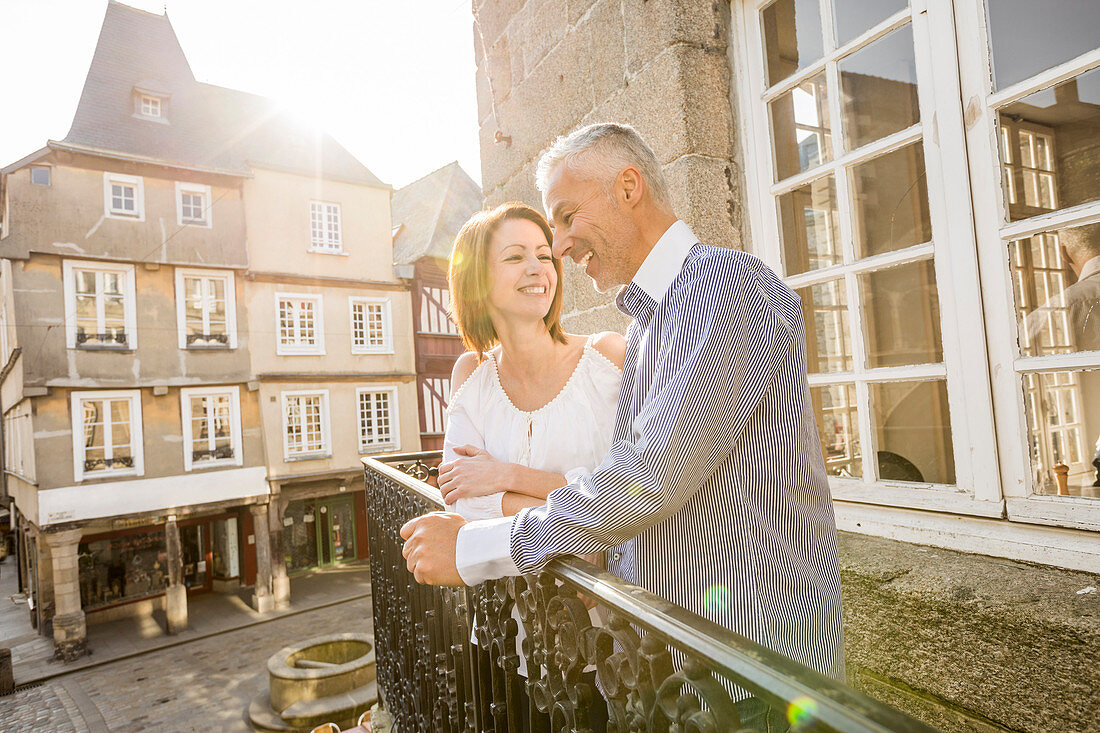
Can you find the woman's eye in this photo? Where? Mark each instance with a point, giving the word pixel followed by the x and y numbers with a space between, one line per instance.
pixel 546 258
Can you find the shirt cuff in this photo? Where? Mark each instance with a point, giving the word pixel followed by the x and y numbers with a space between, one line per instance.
pixel 484 551
pixel 575 473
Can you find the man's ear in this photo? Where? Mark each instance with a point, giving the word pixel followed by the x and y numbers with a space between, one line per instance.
pixel 631 186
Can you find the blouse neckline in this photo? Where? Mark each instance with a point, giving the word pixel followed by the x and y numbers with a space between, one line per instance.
pixel 555 398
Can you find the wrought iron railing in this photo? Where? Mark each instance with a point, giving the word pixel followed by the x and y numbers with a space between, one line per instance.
pixel 432 678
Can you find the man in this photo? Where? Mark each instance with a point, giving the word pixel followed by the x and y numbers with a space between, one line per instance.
pixel 714 493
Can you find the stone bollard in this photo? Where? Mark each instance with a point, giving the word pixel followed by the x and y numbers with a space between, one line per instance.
pixel 7 677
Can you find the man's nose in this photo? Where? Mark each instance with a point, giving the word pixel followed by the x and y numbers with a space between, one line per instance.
pixel 562 245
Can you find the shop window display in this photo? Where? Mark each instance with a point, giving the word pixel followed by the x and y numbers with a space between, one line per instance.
pixel 122 568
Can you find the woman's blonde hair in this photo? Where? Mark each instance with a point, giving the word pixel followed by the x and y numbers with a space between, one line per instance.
pixel 469 276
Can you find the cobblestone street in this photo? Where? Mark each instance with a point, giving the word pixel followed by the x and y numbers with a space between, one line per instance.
pixel 201 685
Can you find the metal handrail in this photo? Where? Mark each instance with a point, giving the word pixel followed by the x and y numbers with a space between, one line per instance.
pixel 771 676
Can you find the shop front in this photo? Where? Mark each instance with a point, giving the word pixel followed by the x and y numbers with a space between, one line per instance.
pixel 130 565
pixel 321 532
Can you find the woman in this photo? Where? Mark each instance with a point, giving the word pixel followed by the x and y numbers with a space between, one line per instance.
pixel 532 407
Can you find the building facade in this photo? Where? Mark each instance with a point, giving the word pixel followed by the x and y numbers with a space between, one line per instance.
pixel 197 307
pixel 923 175
pixel 427 216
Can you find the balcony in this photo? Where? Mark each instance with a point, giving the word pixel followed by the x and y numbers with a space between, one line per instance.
pixel 431 678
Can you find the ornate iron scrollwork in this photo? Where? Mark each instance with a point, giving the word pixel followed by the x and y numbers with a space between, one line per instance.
pixel 628 673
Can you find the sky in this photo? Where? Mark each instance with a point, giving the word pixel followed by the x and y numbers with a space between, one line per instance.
pixel 391 80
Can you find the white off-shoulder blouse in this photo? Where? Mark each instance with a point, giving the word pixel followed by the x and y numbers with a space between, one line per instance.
pixel 570 434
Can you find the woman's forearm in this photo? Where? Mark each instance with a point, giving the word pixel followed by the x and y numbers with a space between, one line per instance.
pixel 534 483
pixel 511 503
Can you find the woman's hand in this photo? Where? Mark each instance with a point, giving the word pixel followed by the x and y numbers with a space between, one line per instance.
pixel 473 473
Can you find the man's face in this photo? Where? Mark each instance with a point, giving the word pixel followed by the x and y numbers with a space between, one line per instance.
pixel 589 227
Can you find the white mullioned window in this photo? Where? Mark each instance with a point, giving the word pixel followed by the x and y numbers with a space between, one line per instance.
pixel 324 227
pixel 299 324
pixel 864 212
pixel 99 305
pixel 211 427
pixel 1033 81
pixel 123 196
pixel 378 420
pixel 949 270
pixel 206 308
pixel 193 205
pixel 306 424
pixel 150 105
pixel 107 439
pixel 371 327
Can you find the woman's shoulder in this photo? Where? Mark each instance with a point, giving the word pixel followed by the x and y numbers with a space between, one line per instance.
pixel 611 346
pixel 463 375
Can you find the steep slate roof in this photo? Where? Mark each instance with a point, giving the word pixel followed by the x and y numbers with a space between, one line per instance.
pixel 209 127
pixel 428 213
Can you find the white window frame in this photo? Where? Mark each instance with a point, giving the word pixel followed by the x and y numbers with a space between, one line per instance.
pixel 230 306
pixel 139 196
pixel 326 434
pixel 186 395
pixel 977 489
pixel 994 232
pixel 359 343
pixel 129 299
pixel 296 348
pixel 146 107
pixel 395 424
pixel 195 189
pixel 325 241
pixel 77 398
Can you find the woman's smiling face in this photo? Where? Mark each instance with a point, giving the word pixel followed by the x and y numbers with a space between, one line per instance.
pixel 521 271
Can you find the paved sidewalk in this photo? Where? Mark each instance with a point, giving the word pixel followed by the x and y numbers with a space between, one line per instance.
pixel 208 614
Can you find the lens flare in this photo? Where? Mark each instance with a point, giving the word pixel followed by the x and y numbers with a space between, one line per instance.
pixel 635 489
pixel 717 598
pixel 801 713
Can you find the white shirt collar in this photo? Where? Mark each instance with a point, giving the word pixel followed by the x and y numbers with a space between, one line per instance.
pixel 1091 267
pixel 664 261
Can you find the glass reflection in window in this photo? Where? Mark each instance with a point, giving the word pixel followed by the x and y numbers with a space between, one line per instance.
pixel 838 425
pixel 792 37
pixel 800 128
pixel 891 202
pixel 1027 37
pixel 825 314
pixel 1049 149
pixel 853 17
pixel 1056 281
pixel 878 86
pixel 809 227
pixel 1063 419
pixel 901 310
pixel 913 430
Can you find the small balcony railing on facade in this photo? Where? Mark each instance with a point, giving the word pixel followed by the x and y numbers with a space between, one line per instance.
pixel 432 678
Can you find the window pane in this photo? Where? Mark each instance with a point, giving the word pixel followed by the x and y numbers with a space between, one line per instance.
pixel 913 430
pixel 1055 132
pixel 85 281
pixel 1056 281
pixel 878 85
pixel 890 195
pixel 801 137
pixel 856 16
pixel 825 313
pixel 809 227
pixel 1063 410
pixel 838 425
pixel 901 310
pixel 1027 37
pixel 792 37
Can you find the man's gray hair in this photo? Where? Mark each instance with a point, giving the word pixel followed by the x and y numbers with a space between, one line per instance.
pixel 600 152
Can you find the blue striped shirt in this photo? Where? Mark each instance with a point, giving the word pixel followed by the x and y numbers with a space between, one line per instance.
pixel 714 493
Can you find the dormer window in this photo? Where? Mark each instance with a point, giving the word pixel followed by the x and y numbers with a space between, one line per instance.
pixel 150 106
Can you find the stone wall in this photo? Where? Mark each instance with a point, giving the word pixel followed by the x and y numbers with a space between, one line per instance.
pixel 964 642
pixel 546 67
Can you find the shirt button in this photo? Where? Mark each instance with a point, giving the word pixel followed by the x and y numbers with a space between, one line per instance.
pixel 616 557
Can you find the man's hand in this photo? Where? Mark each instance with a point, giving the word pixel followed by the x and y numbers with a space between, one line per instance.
pixel 429 549
pixel 474 473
